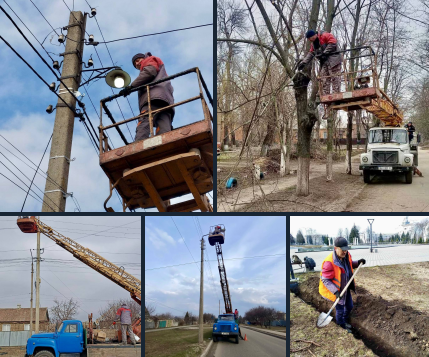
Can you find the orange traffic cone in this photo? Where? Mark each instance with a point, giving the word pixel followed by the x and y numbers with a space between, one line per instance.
pixel 245 337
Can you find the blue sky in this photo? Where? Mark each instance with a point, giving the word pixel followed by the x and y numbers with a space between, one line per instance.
pixel 24 98
pixel 252 282
pixel 63 276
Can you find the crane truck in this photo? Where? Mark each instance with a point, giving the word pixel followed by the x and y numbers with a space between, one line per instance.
pixel 226 325
pixel 70 339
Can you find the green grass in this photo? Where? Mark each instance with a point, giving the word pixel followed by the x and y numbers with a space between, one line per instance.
pixel 175 343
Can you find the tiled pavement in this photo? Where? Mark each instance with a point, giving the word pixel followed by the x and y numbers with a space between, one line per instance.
pixel 399 254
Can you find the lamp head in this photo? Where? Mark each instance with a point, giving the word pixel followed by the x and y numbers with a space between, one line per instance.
pixel 118 78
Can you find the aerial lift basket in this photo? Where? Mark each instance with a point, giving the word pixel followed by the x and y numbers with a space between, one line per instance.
pixel 27 224
pixel 359 88
pixel 148 173
pixel 217 234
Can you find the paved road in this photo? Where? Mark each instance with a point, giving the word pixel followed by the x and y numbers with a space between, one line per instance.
pixel 257 345
pixel 390 193
pixel 400 254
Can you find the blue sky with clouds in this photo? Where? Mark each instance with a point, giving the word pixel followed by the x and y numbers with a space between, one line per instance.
pixel 24 98
pixel 252 282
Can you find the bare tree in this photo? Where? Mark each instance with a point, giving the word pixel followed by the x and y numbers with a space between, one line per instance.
pixel 63 310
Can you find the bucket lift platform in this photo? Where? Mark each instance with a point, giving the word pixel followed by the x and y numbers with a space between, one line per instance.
pixel 150 172
pixel 360 89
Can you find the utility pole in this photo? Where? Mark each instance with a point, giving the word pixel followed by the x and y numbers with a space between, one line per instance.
pixel 59 159
pixel 31 299
pixel 200 334
pixel 370 224
pixel 37 282
pixel 219 307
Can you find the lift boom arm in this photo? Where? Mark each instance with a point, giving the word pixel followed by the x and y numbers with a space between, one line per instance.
pixel 223 279
pixel 116 274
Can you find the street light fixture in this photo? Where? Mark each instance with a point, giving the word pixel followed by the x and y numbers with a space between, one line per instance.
pixel 370 224
pixel 118 78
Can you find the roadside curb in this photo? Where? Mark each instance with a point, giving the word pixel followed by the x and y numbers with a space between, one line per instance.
pixel 266 333
pixel 204 354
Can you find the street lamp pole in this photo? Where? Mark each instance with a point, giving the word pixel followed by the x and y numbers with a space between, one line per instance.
pixel 370 224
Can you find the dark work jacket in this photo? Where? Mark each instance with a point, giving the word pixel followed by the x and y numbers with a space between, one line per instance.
pixel 162 91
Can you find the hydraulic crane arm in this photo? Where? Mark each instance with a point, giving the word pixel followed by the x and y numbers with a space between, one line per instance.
pixel 223 279
pixel 116 274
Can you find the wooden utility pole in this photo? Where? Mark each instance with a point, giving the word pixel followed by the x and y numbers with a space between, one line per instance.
pixel 37 282
pixel 31 299
pixel 201 330
pixel 59 160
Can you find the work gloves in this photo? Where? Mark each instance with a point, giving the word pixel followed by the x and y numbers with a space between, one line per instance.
pixel 125 91
pixel 337 294
pixel 363 261
pixel 323 57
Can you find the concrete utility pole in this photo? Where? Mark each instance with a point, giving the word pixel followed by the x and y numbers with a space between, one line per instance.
pixel 370 224
pixel 37 282
pixel 59 160
pixel 31 299
pixel 201 330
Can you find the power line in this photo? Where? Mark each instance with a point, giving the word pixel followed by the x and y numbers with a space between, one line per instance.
pixel 44 17
pixel 256 256
pixel 157 302
pixel 36 172
pixel 157 33
pixel 1 162
pixel 185 244
pixel 45 177
pixel 29 31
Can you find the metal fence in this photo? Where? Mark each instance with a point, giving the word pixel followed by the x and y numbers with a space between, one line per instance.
pixel 14 338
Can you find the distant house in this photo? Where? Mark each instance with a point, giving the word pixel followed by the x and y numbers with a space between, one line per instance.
pixel 18 319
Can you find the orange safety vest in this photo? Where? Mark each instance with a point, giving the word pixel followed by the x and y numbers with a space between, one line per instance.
pixel 323 290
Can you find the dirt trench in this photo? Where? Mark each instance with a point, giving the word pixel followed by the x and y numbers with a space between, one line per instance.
pixel 388 328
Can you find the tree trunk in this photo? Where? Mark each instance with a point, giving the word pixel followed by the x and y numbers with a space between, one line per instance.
pixel 329 145
pixel 268 140
pixel 305 127
pixel 349 142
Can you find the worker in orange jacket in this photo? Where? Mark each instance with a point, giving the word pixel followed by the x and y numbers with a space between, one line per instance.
pixel 337 270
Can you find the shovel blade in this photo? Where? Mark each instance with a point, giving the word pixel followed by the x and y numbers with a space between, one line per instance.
pixel 323 320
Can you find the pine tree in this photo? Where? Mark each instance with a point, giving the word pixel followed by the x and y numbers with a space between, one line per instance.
pixel 292 240
pixel 354 233
pixel 300 238
pixel 309 240
pixel 380 238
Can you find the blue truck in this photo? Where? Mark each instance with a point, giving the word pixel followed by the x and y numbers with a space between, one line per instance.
pixel 69 340
pixel 226 326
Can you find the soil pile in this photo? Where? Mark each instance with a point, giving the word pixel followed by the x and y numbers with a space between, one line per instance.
pixel 389 328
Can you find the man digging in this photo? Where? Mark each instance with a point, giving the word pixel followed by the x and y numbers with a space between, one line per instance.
pixel 337 269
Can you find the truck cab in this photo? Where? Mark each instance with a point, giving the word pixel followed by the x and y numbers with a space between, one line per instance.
pixel 68 340
pixel 226 326
pixel 389 151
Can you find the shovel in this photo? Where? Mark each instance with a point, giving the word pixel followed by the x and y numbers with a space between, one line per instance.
pixel 325 319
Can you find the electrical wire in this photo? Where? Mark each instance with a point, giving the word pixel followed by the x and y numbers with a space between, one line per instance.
pixel 256 256
pixel 29 31
pixel 1 162
pixel 19 187
pixel 22 208
pixel 44 17
pixel 157 33
pixel 185 243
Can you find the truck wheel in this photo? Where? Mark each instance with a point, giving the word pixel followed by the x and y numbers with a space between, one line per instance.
pixel 214 339
pixel 409 176
pixel 366 176
pixel 236 340
pixel 44 354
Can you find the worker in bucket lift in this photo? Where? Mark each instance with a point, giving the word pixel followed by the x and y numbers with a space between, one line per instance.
pixel 161 95
pixel 337 269
pixel 323 47
pixel 124 315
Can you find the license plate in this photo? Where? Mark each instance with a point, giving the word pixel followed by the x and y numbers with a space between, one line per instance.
pixel 383 168
pixel 225 333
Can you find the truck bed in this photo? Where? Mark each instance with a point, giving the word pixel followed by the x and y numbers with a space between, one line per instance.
pixel 116 350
